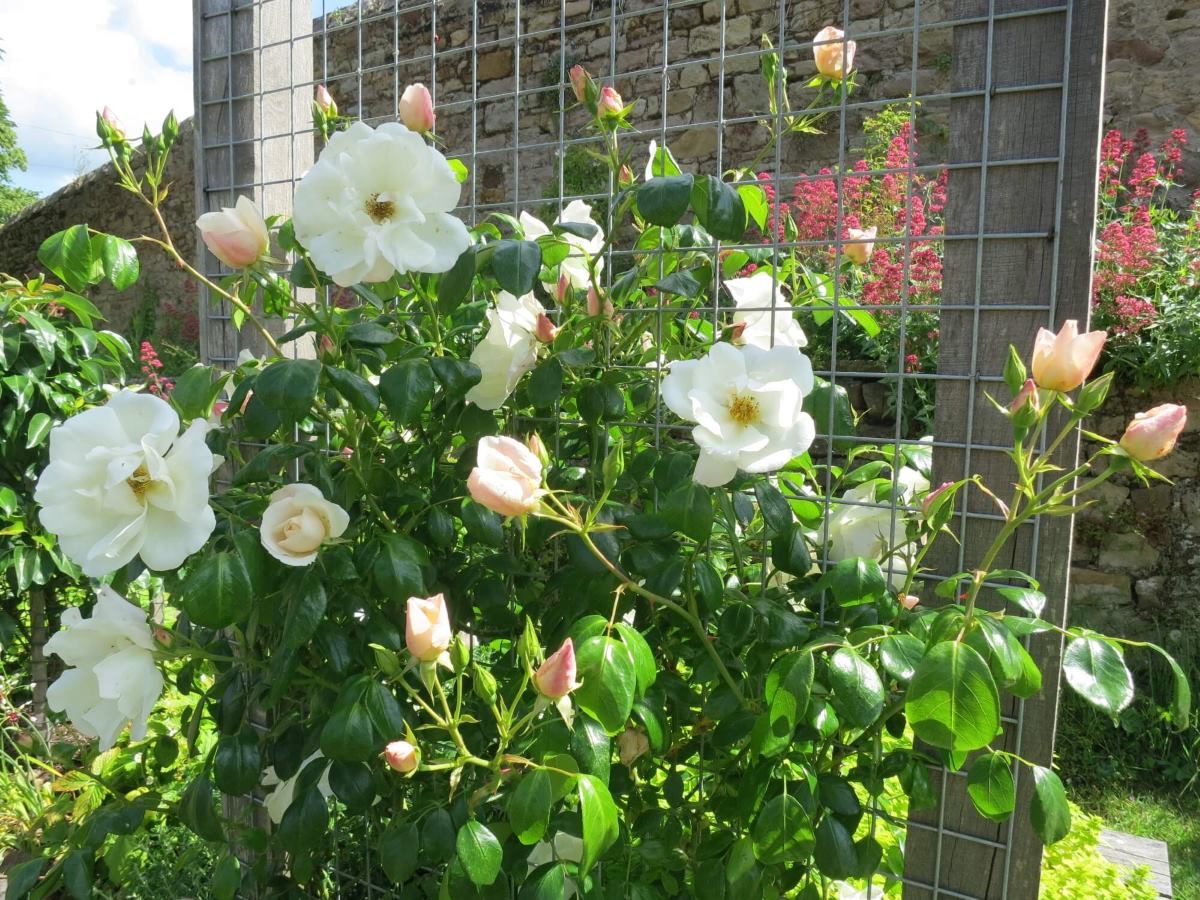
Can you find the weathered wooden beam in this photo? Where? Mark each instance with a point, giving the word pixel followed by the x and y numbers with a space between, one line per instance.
pixel 1038 68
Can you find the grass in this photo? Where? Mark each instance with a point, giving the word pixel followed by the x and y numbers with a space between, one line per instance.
pixel 1151 813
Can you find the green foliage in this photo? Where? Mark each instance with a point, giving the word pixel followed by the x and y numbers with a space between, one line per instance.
pixel 1074 867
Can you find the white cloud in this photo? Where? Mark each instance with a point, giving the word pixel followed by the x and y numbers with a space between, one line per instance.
pixel 66 59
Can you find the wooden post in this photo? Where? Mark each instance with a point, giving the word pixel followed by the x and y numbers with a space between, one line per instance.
pixel 1039 103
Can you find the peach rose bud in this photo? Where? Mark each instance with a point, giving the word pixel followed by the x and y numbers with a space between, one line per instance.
pixel 538 448
pixel 427 627
pixel 325 101
pixel 1062 361
pixel 507 477
pixel 579 81
pixel 545 330
pixel 1152 434
pixel 556 676
pixel 238 236
pixel 859 245
pixel 113 123
pixel 610 101
pixel 632 744
pixel 401 756
pixel 909 601
pixel 594 306
pixel 833 54
pixel 564 286
pixel 416 108
pixel 1027 394
pixel 931 497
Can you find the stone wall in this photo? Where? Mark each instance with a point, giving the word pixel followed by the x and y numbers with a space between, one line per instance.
pixel 97 200
pixel 1137 550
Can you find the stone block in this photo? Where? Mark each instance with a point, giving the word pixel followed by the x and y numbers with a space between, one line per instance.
pixel 1128 552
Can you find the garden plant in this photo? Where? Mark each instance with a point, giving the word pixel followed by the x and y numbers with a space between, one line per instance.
pixel 452 600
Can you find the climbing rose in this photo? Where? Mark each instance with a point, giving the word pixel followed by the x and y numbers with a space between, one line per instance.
pixel 508 350
pixel 1061 361
pixel 747 405
pixel 416 108
pixel 297 521
pixel 860 244
pixel 556 676
pixel 238 236
pixel 122 482
pixel 764 317
pixel 507 477
pixel 401 756
pixel 833 54
pixel 1152 434
pixel 113 679
pixel 378 202
pixel 427 627
pixel 610 101
pixel 575 266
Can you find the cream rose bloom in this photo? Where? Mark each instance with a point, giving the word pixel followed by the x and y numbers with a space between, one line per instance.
pixel 575 266
pixel 278 801
pixel 747 404
pixel 377 202
pixel 508 350
pixel 113 680
pixel 122 482
pixel 764 318
pixel 297 521
pixel 858 529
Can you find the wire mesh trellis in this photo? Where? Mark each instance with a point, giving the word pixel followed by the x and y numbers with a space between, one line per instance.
pixel 996 102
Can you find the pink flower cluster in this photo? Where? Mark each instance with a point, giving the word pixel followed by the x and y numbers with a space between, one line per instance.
pixel 151 364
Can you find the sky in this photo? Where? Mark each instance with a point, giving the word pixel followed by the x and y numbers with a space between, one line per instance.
pixel 64 59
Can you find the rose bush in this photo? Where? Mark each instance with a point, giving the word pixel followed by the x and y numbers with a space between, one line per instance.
pixel 447 635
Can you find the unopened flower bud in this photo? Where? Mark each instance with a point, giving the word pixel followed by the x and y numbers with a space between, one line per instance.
pixel 1027 394
pixel 564 287
pixel 416 108
pixel 237 237
pixel 556 676
pixel 427 630
pixel 610 102
pixel 546 330
pixel 538 448
pixel 833 54
pixel 579 82
pixel 909 601
pixel 594 306
pixel 931 498
pixel 1152 434
pixel 325 102
pixel 625 176
pixel 860 244
pixel 402 756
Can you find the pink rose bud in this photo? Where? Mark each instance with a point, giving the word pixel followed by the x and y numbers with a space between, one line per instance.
pixel 507 477
pixel 564 286
pixel 545 330
pixel 579 82
pixel 1027 394
pixel 610 102
pixel 401 756
pixel 325 101
pixel 427 627
pixel 1152 434
pixel 538 448
pixel 909 601
pixel 632 744
pixel 833 54
pixel 931 497
pixel 237 237
pixel 416 108
pixel 114 124
pixel 859 245
pixel 556 677
pixel 1061 361
pixel 594 306
pixel 625 176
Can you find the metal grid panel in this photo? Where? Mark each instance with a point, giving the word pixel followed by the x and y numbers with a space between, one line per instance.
pixel 498 74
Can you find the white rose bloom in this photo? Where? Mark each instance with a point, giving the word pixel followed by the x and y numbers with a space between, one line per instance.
pixel 122 481
pixel 866 532
pixel 278 801
pixel 113 680
pixel 575 266
pixel 297 521
pixel 508 350
pixel 747 406
pixel 377 202
pixel 566 848
pixel 765 317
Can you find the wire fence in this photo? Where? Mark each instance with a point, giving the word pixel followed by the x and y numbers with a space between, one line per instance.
pixel 989 113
